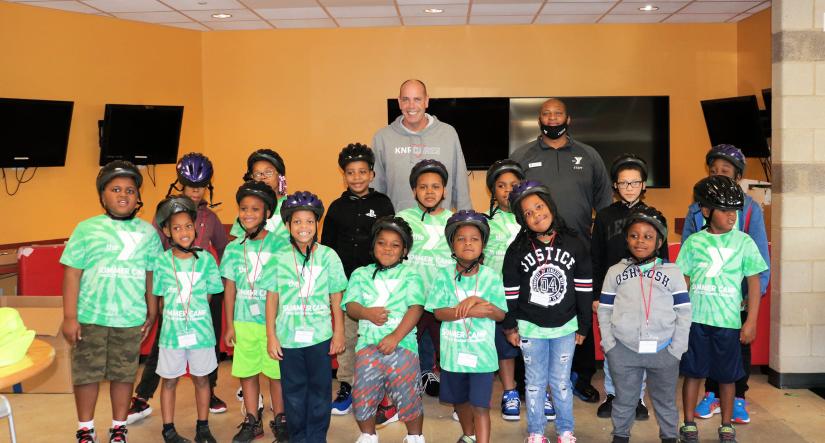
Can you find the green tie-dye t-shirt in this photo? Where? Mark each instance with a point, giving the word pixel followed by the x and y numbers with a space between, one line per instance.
pixel 395 289
pixel 716 265
pixel 430 251
pixel 185 286
pixel 304 315
pixel 114 256
pixel 245 263
pixel 503 230
pixel 467 345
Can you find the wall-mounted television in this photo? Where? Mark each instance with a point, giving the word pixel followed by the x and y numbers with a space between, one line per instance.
pixel 736 121
pixel 141 134
pixel 482 125
pixel 611 125
pixel 34 133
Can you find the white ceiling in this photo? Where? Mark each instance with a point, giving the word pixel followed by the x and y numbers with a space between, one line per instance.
pixel 275 14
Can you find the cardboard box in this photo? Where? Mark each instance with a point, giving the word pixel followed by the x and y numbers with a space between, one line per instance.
pixel 45 315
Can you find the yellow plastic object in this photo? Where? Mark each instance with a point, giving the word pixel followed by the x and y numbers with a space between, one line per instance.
pixel 15 339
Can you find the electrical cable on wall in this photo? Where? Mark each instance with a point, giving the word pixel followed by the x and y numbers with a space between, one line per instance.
pixel 19 177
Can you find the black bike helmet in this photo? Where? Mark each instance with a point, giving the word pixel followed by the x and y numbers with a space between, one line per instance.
pixel 428 165
pixel 649 215
pixel 729 153
pixel 522 190
pixel 118 168
pixel 628 161
pixel 174 205
pixel 393 223
pixel 467 217
pixel 500 167
pixel 260 190
pixel 719 192
pixel 301 201
pixel 355 152
pixel 267 155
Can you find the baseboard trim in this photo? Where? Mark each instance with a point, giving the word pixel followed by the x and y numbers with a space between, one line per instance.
pixel 795 380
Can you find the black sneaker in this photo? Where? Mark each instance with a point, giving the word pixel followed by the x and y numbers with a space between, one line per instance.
pixel 669 440
pixel 250 430
pixel 586 393
pixel 343 400
pixel 619 439
pixel 216 405
pixel 86 435
pixel 431 383
pixel 727 434
pixel 117 434
pixel 204 435
pixel 138 410
pixel 387 413
pixel 606 408
pixel 641 411
pixel 172 436
pixel 689 433
pixel 279 429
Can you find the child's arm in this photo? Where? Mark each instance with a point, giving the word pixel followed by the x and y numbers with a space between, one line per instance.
pixel 754 297
pixel 684 312
pixel 151 308
pixel 607 299
pixel 377 315
pixel 388 344
pixel 487 310
pixel 337 345
pixel 229 308
pixel 273 345
pixel 71 288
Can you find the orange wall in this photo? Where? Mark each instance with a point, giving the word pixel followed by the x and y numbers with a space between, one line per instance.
pixel 754 69
pixel 92 61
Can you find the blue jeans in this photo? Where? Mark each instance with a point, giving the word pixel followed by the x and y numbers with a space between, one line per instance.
pixel 608 381
pixel 306 380
pixel 548 361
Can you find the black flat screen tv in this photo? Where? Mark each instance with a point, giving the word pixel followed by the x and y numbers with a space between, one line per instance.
pixel 141 134
pixel 34 133
pixel 736 121
pixel 482 125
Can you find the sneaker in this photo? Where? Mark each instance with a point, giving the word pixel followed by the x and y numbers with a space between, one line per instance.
pixel 740 411
pixel 118 434
pixel 606 409
pixel 689 433
pixel 567 437
pixel 250 430
pixel 587 393
pixel 279 429
pixel 466 439
pixel 431 383
pixel 549 410
pixel 343 401
pixel 620 439
pixel 138 410
pixel 86 435
pixel 708 406
pixel 670 440
pixel 172 436
pixel 386 414
pixel 727 434
pixel 367 438
pixel 537 438
pixel 204 435
pixel 510 405
pixel 414 439
pixel 216 405
pixel 641 411
pixel 455 415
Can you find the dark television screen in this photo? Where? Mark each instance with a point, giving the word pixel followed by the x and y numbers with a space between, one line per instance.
pixel 141 134
pixel 736 121
pixel 34 133
pixel 482 125
pixel 611 125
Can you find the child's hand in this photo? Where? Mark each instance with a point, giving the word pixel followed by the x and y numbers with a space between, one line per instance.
pixel 229 336
pixel 337 345
pixel 513 337
pixel 463 308
pixel 273 347
pixel 579 338
pixel 71 331
pixel 377 315
pixel 748 333
pixel 482 310
pixel 595 305
pixel 388 344
pixel 147 328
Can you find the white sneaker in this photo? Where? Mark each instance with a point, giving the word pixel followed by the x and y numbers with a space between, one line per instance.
pixel 367 438
pixel 537 438
pixel 455 415
pixel 414 439
pixel 567 437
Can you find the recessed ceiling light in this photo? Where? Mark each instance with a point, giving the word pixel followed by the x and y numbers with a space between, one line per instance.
pixel 433 11
pixel 202 3
pixel 648 8
pixel 221 15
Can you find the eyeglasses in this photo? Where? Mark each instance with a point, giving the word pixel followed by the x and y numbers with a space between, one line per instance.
pixel 265 174
pixel 636 184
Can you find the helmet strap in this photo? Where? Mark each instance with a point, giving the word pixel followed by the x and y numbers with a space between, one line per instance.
pixel 122 217
pixel 708 218
pixel 466 269
pixel 309 249
pixel 247 235
pixel 193 250
pixel 428 210
pixel 630 204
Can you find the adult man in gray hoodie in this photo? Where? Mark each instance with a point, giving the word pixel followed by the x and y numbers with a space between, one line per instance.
pixel 412 137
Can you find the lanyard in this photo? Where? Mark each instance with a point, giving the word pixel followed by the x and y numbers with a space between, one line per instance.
pixel 246 267
pixel 649 301
pixel 191 289
pixel 475 291
pixel 304 297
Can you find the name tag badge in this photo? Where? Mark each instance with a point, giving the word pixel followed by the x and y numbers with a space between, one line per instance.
pixel 255 310
pixel 534 165
pixel 647 346
pixel 540 298
pixel 187 340
pixel 304 335
pixel 468 360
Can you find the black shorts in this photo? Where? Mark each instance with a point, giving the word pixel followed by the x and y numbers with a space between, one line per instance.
pixel 462 387
pixel 713 352
pixel 504 349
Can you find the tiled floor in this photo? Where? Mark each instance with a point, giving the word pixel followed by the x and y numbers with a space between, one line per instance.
pixel 778 416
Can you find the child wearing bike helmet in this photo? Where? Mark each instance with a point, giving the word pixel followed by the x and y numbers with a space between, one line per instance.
pixel 267 167
pixel 715 260
pixel 548 286
pixel 107 311
pixel 387 299
pixel 244 264
pixel 644 318
pixel 729 161
pixel 304 320
pixel 185 277
pixel 468 299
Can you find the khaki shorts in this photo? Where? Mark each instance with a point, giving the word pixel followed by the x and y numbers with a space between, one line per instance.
pixel 106 353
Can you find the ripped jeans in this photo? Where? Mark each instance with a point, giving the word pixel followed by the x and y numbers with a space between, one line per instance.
pixel 548 361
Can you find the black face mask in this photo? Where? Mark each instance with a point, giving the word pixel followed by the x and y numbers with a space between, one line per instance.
pixel 554 132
